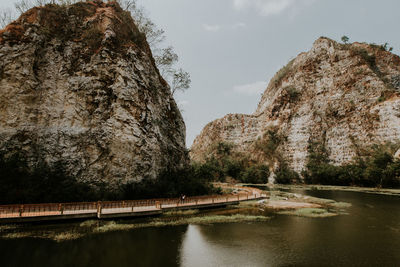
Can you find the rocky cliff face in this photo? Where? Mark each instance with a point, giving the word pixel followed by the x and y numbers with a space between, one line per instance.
pixel 78 85
pixel 346 97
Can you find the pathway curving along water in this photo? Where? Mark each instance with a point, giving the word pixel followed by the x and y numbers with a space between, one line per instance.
pixel 129 208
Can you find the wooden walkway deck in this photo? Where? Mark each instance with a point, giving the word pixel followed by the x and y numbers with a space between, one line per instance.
pixel 115 209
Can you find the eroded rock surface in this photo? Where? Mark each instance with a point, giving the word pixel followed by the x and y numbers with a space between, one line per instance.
pixel 343 96
pixel 78 85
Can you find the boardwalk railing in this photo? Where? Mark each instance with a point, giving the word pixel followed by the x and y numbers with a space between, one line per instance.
pixel 103 208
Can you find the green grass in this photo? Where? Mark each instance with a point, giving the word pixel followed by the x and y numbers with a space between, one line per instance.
pixel 212 219
pixel 7 227
pixel 58 237
pixel 320 201
pixel 16 235
pixel 66 236
pixel 89 223
pixel 180 212
pixel 310 213
pixel 113 226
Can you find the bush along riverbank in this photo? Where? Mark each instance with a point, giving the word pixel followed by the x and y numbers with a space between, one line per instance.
pixel 375 166
pixel 22 183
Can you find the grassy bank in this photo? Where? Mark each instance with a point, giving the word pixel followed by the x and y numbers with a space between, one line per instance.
pixel 90 227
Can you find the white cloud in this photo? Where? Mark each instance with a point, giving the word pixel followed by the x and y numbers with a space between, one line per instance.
pixel 212 28
pixel 270 7
pixel 251 89
pixel 238 25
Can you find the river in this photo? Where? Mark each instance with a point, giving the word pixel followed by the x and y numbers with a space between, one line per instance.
pixel 368 236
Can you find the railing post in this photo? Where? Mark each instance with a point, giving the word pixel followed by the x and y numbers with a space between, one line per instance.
pixel 213 200
pixel 21 210
pixel 61 209
pixel 99 208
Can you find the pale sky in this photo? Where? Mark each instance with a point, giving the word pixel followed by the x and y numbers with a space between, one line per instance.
pixel 232 48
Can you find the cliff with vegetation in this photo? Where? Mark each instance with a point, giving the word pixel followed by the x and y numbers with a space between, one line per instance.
pixel 80 94
pixel 337 99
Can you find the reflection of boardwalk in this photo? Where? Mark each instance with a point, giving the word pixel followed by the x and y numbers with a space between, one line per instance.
pixel 62 211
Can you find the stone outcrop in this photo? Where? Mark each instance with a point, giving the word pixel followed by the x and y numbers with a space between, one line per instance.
pixel 346 97
pixel 79 85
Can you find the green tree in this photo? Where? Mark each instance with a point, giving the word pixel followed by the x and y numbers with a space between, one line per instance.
pixel 165 57
pixel 345 39
pixel 256 174
pixel 286 175
pixel 180 81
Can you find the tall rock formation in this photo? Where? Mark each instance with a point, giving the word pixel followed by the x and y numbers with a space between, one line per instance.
pixel 346 97
pixel 79 85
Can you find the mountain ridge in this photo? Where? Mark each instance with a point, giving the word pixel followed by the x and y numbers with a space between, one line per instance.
pixel 341 95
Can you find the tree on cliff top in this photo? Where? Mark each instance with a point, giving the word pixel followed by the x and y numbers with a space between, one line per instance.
pixel 6 16
pixel 345 39
pixel 165 57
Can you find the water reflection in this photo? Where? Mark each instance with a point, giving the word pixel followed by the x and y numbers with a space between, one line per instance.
pixel 143 247
pixel 221 246
pixel 195 251
pixel 368 236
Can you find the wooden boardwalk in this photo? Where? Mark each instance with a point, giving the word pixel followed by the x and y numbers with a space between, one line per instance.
pixel 115 209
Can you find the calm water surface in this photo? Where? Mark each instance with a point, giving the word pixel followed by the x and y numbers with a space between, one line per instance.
pixel 368 236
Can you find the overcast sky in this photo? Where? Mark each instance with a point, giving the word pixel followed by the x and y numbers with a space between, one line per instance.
pixel 232 48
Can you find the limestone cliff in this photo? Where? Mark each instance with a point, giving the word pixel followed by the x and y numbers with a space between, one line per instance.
pixel 79 85
pixel 345 97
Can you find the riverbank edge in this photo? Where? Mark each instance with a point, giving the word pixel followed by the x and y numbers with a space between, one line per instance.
pixel 369 190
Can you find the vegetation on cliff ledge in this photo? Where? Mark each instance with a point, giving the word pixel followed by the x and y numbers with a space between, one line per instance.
pixel 223 164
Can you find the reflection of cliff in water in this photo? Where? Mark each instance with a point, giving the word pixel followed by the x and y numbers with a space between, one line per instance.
pixel 144 247
pixel 368 236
